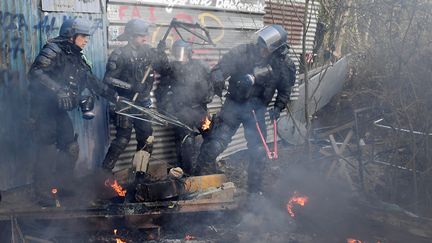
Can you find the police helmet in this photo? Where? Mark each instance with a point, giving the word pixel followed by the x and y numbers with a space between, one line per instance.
pixel 134 27
pixel 72 27
pixel 272 37
pixel 182 50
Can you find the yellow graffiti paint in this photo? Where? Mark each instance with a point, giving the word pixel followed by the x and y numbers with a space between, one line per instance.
pixel 202 19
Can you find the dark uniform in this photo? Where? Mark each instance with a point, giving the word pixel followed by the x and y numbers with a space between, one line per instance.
pixel 58 77
pixel 125 70
pixel 250 88
pixel 185 93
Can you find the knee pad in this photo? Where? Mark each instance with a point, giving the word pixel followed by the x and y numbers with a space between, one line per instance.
pixel 121 142
pixel 123 121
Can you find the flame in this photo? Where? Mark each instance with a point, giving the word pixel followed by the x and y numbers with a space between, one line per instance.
pixel 296 199
pixel 206 124
pixel 118 240
pixel 351 240
pixel 116 187
pixel 189 237
pixel 54 190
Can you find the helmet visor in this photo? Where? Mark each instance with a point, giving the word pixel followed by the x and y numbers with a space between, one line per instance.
pixel 181 53
pixel 270 38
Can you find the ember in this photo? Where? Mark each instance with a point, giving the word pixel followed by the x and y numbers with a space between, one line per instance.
pixel 189 237
pixel 206 124
pixel 116 187
pixel 350 240
pixel 296 199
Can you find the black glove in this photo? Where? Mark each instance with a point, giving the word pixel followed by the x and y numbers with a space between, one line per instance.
pixel 161 47
pixel 275 113
pixel 65 100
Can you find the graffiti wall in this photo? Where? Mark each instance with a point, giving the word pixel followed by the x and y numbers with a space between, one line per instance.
pixel 230 23
pixel 227 27
pixel 24 29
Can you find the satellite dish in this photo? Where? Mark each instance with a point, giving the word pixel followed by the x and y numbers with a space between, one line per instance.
pixel 291 130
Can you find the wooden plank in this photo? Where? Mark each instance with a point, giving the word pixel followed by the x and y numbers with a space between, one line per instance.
pixel 337 129
pixel 200 183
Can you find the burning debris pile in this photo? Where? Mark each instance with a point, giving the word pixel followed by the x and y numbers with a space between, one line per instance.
pixel 296 199
pixel 116 187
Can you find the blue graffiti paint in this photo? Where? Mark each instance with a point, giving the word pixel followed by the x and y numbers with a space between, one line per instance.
pixel 12 21
pixel 48 24
pixel 13 45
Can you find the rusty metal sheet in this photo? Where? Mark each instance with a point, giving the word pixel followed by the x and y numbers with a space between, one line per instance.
pixel 73 6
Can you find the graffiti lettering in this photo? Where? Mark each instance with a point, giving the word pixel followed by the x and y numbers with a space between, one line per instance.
pixel 204 19
pixel 173 3
pixel 48 24
pixel 240 5
pixel 11 21
pixel 124 13
pixel 14 46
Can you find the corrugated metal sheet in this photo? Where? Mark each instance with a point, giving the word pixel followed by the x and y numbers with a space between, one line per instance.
pixel 228 25
pixel 17 49
pixel 24 31
pixel 290 15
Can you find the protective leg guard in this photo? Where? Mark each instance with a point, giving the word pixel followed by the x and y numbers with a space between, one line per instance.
pixel 117 147
pixel 206 162
pixel 256 169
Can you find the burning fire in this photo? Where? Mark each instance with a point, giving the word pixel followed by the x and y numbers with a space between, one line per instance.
pixel 206 124
pixel 54 191
pixel 351 240
pixel 296 199
pixel 189 237
pixel 118 240
pixel 116 187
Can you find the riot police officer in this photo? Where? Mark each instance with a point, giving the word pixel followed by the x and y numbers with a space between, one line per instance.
pixel 125 70
pixel 255 72
pixel 185 93
pixel 58 77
